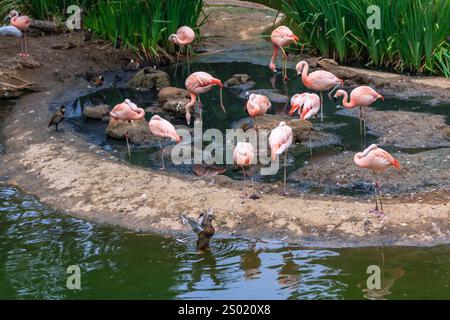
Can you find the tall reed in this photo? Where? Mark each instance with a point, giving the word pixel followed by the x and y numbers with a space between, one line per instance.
pixel 412 36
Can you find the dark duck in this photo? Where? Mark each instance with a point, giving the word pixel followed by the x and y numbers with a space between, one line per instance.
pixel 95 80
pixel 202 227
pixel 57 117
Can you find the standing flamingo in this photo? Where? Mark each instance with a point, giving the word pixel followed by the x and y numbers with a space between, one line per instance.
pixel 318 80
pixel 183 37
pixel 243 156
pixel 257 105
pixel 281 37
pixel 362 96
pixel 127 111
pixel 22 23
pixel 377 160
pixel 280 140
pixel 308 105
pixel 197 83
pixel 163 129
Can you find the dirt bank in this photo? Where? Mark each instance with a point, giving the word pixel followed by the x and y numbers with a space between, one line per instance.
pixel 66 172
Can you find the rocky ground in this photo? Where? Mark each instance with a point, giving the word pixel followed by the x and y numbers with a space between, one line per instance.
pixel 79 178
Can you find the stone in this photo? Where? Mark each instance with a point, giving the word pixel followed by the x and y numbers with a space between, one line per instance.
pixel 97 112
pixel 239 80
pixel 138 131
pixel 172 93
pixel 149 78
pixel 173 100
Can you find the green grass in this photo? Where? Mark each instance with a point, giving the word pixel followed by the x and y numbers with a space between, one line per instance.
pixel 412 37
pixel 143 25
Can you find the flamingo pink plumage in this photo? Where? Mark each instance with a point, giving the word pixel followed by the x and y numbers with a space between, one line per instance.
pixel 183 37
pixel 377 160
pixel 127 111
pixel 362 96
pixel 318 80
pixel 281 37
pixel 162 128
pixel 280 140
pixel 257 105
pixel 243 156
pixel 197 83
pixel 22 23
pixel 307 104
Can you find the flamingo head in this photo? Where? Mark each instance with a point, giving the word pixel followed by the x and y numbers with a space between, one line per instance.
pixel 294 108
pixel 338 94
pixel 12 14
pixel 273 67
pixel 380 97
pixel 217 82
pixel 299 67
pixel 173 38
pixel 294 38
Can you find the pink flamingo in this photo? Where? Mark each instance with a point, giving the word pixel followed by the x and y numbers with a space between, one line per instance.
pixel 377 160
pixel 308 105
pixel 318 80
pixel 243 156
pixel 22 23
pixel 362 96
pixel 163 129
pixel 257 105
pixel 281 37
pixel 197 83
pixel 127 111
pixel 280 140
pixel 183 37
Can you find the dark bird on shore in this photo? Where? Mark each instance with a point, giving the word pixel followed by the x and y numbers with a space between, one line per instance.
pixel 203 228
pixel 57 117
pixel 87 35
pixel 133 65
pixel 96 80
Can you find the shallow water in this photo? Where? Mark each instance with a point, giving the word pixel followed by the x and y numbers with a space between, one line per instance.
pixel 346 128
pixel 37 245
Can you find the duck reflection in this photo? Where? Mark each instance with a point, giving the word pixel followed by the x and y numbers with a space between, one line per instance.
pixel 205 264
pixel 251 263
pixel 289 274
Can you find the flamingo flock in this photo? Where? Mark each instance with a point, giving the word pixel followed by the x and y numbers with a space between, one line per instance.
pixel 306 104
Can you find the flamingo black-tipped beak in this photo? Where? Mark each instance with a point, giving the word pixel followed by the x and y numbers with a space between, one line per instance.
pixel 335 99
pixel 7 19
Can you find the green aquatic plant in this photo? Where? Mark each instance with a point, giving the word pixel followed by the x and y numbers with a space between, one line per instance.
pixel 411 36
pixel 143 25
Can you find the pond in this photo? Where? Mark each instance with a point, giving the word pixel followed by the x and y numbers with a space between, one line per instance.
pixel 344 128
pixel 38 244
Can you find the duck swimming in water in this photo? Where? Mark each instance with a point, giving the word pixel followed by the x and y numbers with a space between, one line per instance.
pixel 203 228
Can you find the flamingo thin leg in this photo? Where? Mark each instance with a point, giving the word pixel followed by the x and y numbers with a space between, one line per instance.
pixel 162 155
pixel 284 182
pixel 321 106
pixel 128 144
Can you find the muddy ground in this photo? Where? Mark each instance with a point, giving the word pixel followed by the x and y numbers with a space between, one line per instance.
pixel 66 172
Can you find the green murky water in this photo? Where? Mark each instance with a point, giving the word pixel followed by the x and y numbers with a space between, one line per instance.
pixel 38 244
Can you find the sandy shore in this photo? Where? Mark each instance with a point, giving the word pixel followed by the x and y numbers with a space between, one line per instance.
pixel 66 172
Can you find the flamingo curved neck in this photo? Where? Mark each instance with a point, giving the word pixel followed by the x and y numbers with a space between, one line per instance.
pixel 274 56
pixel 346 102
pixel 305 68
